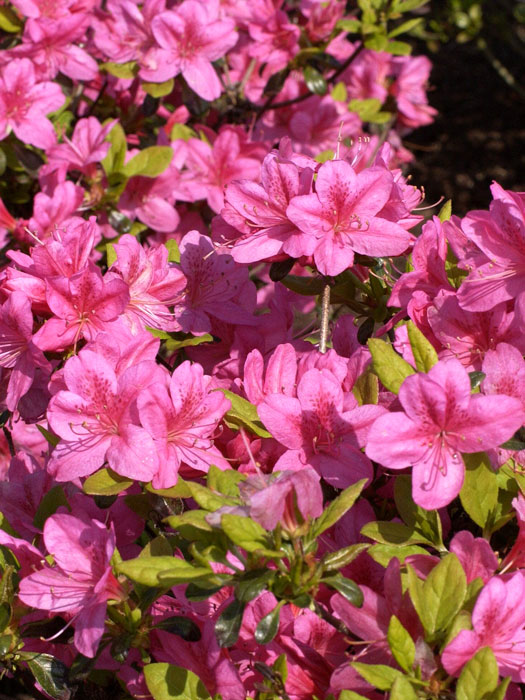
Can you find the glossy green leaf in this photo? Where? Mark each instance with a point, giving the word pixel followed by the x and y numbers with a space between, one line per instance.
pixel 168 682
pixel 407 26
pixel 478 677
pixel 225 482
pixel 228 625
pixel 173 250
pixel 446 211
pixel 51 438
pixel 378 675
pixel 479 494
pixel 159 89
pixel 252 584
pixel 337 508
pixel 268 626
pixel 106 482
pixel 116 155
pixel 336 560
pixel 50 503
pixel 181 626
pixel 248 534
pixel 390 367
pixel 383 553
pixel 424 522
pixel 401 644
pixel 161 571
pixel 366 389
pixel 391 533
pixel 127 71
pixel 346 587
pixel 243 414
pixel 500 692
pixel 315 81
pixel 51 674
pixel 402 689
pixel 424 352
pixel 149 162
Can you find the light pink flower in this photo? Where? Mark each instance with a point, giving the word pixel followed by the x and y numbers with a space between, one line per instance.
pixel 182 418
pixel 81 581
pixel 440 421
pixel 498 622
pixel 24 104
pixel 341 216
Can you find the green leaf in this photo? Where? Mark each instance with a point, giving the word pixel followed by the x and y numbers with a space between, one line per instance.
pixel 168 682
pixel 339 92
pixel 366 389
pixel 406 27
pixel 500 692
pixel 350 695
pixel 378 675
pixel 252 584
pixel 479 494
pixel 208 499
pixel 398 48
pixel 228 625
pixel 181 131
pixel 51 674
pixel 181 626
pixel 127 71
pixel 407 5
pixel 349 25
pixel 336 560
pixel 174 344
pixel 180 490
pixel 268 626
pixel 159 89
pixel 402 689
pixel 225 482
pixel 111 254
pixel 306 286
pixel 248 534
pixel 315 81
pixel 424 522
pixel 441 596
pixel 161 571
pixel 446 211
pixel 243 414
pixel 383 553
pixel 401 644
pixel 106 482
pixel 391 533
pixel 50 503
pixel 479 676
pixel 280 268
pixel 150 162
pixel 337 508
pixel 391 369
pixel 173 250
pixel 116 155
pixel 365 109
pixel 424 352
pixel 52 439
pixel 346 587
pixel 377 42
pixel 475 380
pixel 5 616
pixel 9 22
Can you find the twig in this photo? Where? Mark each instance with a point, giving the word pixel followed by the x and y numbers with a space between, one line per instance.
pixel 325 310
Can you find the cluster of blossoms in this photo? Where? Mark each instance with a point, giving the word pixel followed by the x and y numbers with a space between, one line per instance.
pixel 200 491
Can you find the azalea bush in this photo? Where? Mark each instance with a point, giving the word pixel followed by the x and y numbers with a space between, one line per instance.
pixel 262 421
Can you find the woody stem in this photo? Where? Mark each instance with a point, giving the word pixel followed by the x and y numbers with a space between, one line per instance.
pixel 325 310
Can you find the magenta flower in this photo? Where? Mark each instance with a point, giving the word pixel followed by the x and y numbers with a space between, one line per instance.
pixel 190 37
pixel 498 622
pixel 341 216
pixel 81 581
pixel 24 104
pixel 319 430
pixel 87 145
pixel 95 419
pixel 440 421
pixel 83 305
pixel 17 350
pixel 182 419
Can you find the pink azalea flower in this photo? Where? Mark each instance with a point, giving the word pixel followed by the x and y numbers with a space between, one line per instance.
pixel 150 199
pixel 182 417
pixel 52 210
pixel 95 417
pixel 440 421
pixel 341 216
pixel 83 305
pixel 217 288
pixel 319 430
pixel 259 211
pixel 190 37
pixel 411 73
pixel 275 41
pixel 17 350
pixel 87 145
pixel 498 622
pixel 153 284
pixel 81 581
pixel 24 104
